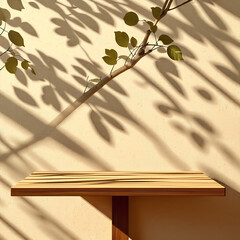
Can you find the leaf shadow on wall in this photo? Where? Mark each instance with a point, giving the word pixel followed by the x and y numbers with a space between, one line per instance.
pixel 107 108
pixel 51 94
pixel 205 134
pixel 54 89
pixel 49 223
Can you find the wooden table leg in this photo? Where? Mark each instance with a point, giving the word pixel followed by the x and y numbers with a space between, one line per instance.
pixel 119 218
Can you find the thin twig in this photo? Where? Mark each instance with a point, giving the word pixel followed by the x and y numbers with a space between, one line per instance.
pixel 139 55
pixel 165 9
pixel 127 59
pixel 8 50
pixel 3 29
pixel 136 50
pixel 2 67
pixel 112 69
pixel 169 5
pixel 86 85
pixel 130 51
pixel 155 37
pixel 84 97
pixel 153 49
pixel 180 5
pixel 5 51
pixel 156 42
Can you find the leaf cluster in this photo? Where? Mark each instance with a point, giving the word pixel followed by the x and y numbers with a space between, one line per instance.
pixel 15 38
pixel 123 39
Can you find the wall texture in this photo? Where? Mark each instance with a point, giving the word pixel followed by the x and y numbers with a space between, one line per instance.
pixel 160 116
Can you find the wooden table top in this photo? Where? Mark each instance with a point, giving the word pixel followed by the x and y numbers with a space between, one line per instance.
pixel 66 183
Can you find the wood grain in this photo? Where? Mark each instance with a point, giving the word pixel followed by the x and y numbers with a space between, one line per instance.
pixel 66 183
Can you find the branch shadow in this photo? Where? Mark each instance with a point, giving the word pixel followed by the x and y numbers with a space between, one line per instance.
pixel 49 224
pixel 16 230
pixel 107 107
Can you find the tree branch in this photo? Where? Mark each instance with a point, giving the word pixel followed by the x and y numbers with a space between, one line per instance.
pixel 139 55
pixel 83 98
pixel 180 5
pixel 165 8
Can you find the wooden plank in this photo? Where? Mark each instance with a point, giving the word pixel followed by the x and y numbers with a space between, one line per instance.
pixel 117 184
pixel 120 218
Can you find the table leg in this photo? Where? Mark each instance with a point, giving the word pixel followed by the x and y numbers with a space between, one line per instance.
pixel 119 218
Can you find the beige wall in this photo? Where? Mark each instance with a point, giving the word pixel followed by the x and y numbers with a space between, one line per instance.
pixel 160 116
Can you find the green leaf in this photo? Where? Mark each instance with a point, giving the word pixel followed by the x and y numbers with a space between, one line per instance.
pixel 122 39
pixel 133 41
pixel 165 39
pixel 156 12
pixel 111 53
pixel 152 26
pixel 11 65
pixel 33 72
pixel 25 64
pixel 4 15
pixel 15 4
pixel 95 80
pixel 131 18
pixel 174 52
pixel 16 38
pixel 109 60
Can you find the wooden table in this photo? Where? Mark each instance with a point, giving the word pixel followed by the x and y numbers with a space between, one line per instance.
pixel 119 185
